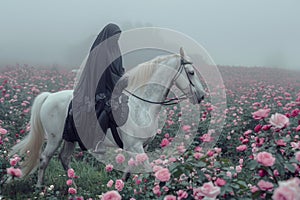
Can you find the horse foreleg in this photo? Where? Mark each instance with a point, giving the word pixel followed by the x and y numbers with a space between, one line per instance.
pixel 48 153
pixel 66 153
pixel 136 149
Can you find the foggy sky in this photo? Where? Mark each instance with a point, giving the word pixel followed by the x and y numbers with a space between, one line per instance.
pixel 234 32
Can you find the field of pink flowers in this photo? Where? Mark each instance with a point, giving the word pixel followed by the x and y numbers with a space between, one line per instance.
pixel 257 156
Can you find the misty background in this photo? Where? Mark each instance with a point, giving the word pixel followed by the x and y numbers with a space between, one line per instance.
pixel 236 33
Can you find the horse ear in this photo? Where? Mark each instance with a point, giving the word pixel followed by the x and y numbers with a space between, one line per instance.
pixel 181 52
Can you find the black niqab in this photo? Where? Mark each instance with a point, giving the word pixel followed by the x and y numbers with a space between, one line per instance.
pixel 115 71
pixel 100 74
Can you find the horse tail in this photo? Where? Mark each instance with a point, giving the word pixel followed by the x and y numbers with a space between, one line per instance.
pixel 31 145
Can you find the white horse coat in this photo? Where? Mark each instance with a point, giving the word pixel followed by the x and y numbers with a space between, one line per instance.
pixel 49 112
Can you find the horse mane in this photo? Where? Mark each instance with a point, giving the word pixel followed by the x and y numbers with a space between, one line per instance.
pixel 141 74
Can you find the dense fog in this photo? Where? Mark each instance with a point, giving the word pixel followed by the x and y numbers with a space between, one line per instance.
pixel 238 33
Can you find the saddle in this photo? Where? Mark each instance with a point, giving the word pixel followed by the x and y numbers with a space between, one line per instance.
pixel 110 115
pixel 117 108
pixel 70 133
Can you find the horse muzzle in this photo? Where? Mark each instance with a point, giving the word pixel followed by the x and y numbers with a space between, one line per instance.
pixel 196 96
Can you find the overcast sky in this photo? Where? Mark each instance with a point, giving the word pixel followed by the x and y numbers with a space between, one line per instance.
pixel 234 32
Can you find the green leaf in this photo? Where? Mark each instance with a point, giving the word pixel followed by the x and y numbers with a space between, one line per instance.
pixel 290 167
pixel 228 189
pixel 217 164
pixel 235 186
pixel 252 164
pixel 243 184
pixel 280 168
pixel 199 164
pixel 256 195
pixel 173 167
pixel 279 158
pixel 177 173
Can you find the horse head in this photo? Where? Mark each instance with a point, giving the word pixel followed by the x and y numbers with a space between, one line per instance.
pixel 187 79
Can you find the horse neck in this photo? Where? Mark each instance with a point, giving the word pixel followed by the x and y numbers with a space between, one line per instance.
pixel 164 76
pixel 157 88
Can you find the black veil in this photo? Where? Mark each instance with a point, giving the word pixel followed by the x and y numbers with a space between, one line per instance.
pixel 98 74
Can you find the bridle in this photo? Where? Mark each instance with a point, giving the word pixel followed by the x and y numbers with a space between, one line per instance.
pixel 174 100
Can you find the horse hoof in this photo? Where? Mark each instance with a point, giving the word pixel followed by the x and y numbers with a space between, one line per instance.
pixel 38 186
pixel 126 176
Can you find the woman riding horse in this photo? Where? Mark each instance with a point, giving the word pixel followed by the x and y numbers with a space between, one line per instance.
pixel 104 54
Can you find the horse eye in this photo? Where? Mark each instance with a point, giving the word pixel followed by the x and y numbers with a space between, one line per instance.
pixel 191 72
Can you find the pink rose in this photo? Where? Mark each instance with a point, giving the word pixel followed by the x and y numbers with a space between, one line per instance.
pixel 276 173
pixel 110 183
pixel 119 185
pixel 279 120
pixel 156 168
pixel 281 143
pixel 165 142
pixel 13 162
pixel 170 197
pixel 266 127
pixel 254 189
pixel 111 195
pixel 17 158
pixel 262 172
pixel 140 158
pixel 210 153
pixel 72 190
pixel 131 162
pixel 295 112
pixel 218 150
pixel 198 149
pixel 198 155
pixel 138 181
pixel 181 194
pixel 295 145
pixel 265 185
pixel 71 173
pixel 238 169
pixel 261 114
pixel 69 182
pixel 109 167
pixel 181 149
pixel 265 158
pixel 220 182
pixel 120 158
pixel 163 175
pixel 259 141
pixel 257 128
pixel 206 138
pixel 165 188
pixel 3 131
pixel 287 190
pixel 241 161
pixel 241 148
pixel 284 193
pixel 207 190
pixel 15 172
pixel 297 155
pixel 186 128
pixel 245 141
pixel 156 190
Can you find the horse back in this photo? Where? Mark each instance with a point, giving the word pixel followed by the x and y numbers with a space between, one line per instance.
pixel 54 111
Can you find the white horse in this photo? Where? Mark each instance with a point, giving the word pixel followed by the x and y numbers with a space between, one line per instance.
pixel 49 111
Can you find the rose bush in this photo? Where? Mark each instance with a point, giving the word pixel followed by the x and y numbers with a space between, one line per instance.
pixel 256 157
